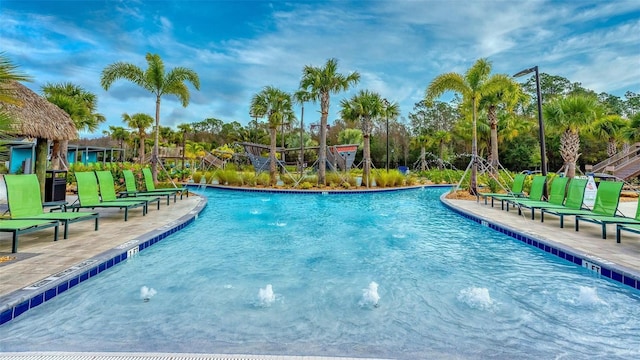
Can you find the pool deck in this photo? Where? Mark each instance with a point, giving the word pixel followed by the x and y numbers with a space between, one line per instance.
pixel 39 257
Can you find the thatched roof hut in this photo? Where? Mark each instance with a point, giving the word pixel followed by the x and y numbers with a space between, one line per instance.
pixel 36 117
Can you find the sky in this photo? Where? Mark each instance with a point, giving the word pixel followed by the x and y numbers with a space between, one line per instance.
pixel 237 47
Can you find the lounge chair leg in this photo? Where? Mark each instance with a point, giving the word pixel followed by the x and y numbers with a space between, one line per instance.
pixel 618 233
pixel 66 229
pixel 14 248
pixel 541 215
pixel 55 233
pixel 604 230
pixel 533 217
pixel 126 214
pixel 577 222
pixel 561 221
pixel 96 227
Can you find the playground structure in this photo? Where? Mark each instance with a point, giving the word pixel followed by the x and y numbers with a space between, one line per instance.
pixel 339 157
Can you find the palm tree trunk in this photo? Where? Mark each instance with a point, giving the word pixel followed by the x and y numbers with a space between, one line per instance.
pixel 154 158
pixel 612 147
pixel 55 155
pixel 322 151
pixel 473 181
pixel 141 153
pixel 272 156
pixel 64 151
pixel 493 122
pixel 441 162
pixel 423 155
pixel 569 150
pixel 366 154
pixel 42 148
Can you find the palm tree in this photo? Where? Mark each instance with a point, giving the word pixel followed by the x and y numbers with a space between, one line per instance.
pixel 8 73
pixel 364 108
pixel 440 139
pixel 276 105
pixel 320 82
pixel 421 142
pixel 470 86
pixel 140 122
pixel 568 116
pixel 499 91
pixel 155 80
pixel 119 134
pixel 81 106
pixel 611 128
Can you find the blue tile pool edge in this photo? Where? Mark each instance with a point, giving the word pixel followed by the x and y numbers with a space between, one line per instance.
pixel 314 191
pixel 602 267
pixel 18 302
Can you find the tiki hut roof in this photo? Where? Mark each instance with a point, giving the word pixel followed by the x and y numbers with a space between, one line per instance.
pixel 35 116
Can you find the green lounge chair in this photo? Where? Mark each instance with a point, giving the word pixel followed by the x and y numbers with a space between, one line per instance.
pixel 18 227
pixel 108 191
pixel 575 196
pixel 132 190
pixel 516 191
pixel 148 182
pixel 535 193
pixel 23 198
pixel 556 197
pixel 88 196
pixel 606 203
pixel 626 227
pixel 604 220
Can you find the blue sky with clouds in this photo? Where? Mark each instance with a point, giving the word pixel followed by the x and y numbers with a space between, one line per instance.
pixel 238 47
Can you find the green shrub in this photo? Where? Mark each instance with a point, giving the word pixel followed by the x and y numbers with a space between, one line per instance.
pixel 263 179
pixel 197 176
pixel 346 185
pixel 306 185
pixel 249 178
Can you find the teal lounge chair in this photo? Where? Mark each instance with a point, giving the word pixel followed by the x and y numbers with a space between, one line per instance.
pixel 604 220
pixel 556 197
pixel 516 191
pixel 23 198
pixel 132 189
pixel 606 203
pixel 148 182
pixel 535 193
pixel 88 196
pixel 17 227
pixel 108 191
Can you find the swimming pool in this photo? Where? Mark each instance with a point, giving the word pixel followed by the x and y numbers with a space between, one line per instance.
pixel 447 287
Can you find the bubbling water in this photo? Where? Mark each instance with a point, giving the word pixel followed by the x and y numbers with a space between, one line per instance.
pixel 266 296
pixel 477 298
pixel 370 296
pixel 146 293
pixel 589 296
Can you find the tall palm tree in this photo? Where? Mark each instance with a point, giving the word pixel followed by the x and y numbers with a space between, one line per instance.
pixel 320 82
pixel 470 86
pixel 155 80
pixel 364 108
pixel 81 105
pixel 301 97
pixel 499 91
pixel 141 123
pixel 276 105
pixel 569 116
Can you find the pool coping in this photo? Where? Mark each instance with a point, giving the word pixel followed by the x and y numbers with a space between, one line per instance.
pixel 370 190
pixel 609 269
pixel 18 302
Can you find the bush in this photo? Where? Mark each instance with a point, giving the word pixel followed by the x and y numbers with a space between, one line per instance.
pixel 306 185
pixel 263 179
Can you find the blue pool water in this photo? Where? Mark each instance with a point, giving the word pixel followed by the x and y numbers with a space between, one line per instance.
pixel 369 275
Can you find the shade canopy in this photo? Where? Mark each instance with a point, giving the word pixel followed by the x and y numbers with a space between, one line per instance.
pixel 35 116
